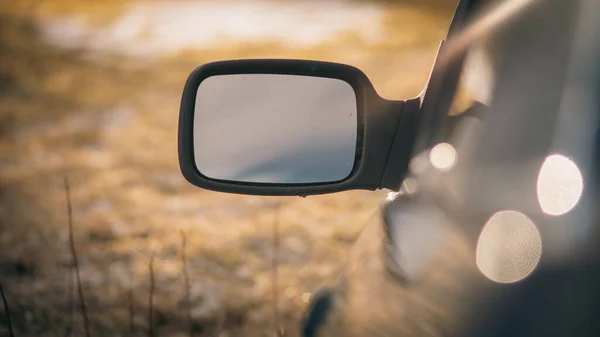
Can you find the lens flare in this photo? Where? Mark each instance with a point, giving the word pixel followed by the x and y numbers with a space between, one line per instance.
pixel 559 185
pixel 443 157
pixel 488 22
pixel 509 247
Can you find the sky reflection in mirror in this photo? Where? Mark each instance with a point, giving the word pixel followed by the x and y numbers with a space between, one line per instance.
pixel 271 128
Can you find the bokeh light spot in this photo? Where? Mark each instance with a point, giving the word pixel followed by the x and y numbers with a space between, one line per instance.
pixel 509 247
pixel 443 157
pixel 559 185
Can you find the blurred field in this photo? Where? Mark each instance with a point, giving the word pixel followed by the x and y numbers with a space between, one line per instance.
pixel 107 120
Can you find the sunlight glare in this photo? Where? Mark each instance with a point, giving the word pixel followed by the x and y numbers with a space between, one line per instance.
pixel 391 196
pixel 443 157
pixel 559 185
pixel 491 20
pixel 409 185
pixel 509 247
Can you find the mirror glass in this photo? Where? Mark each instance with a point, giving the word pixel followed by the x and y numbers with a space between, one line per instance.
pixel 271 128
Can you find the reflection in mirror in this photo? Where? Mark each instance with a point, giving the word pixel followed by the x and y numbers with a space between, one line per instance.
pixel 270 128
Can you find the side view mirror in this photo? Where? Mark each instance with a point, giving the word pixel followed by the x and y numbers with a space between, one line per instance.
pixel 291 127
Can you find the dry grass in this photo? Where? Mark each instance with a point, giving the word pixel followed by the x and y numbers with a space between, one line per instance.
pixel 111 126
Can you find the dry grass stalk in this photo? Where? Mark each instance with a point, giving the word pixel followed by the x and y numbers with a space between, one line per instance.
pixel 75 260
pixel 275 271
pixel 186 283
pixel 131 313
pixel 151 298
pixel 70 297
pixel 7 312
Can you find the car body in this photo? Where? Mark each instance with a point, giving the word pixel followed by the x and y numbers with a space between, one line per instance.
pixel 414 271
pixel 494 228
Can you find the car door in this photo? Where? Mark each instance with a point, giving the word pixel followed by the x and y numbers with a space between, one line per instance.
pixel 494 201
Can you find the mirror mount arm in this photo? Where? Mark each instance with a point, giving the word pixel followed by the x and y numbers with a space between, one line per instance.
pixel 402 145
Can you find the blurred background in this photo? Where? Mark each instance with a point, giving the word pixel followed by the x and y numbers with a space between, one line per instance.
pixel 90 90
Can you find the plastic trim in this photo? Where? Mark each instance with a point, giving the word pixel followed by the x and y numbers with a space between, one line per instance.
pixel 378 122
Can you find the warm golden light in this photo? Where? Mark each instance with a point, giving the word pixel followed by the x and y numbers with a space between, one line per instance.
pixel 443 157
pixel 509 247
pixel 487 23
pixel 559 185
pixel 391 196
pixel 409 185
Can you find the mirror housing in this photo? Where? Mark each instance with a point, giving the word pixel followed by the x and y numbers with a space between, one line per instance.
pixel 384 130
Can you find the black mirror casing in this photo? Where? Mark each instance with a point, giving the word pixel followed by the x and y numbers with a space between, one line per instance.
pixel 385 129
